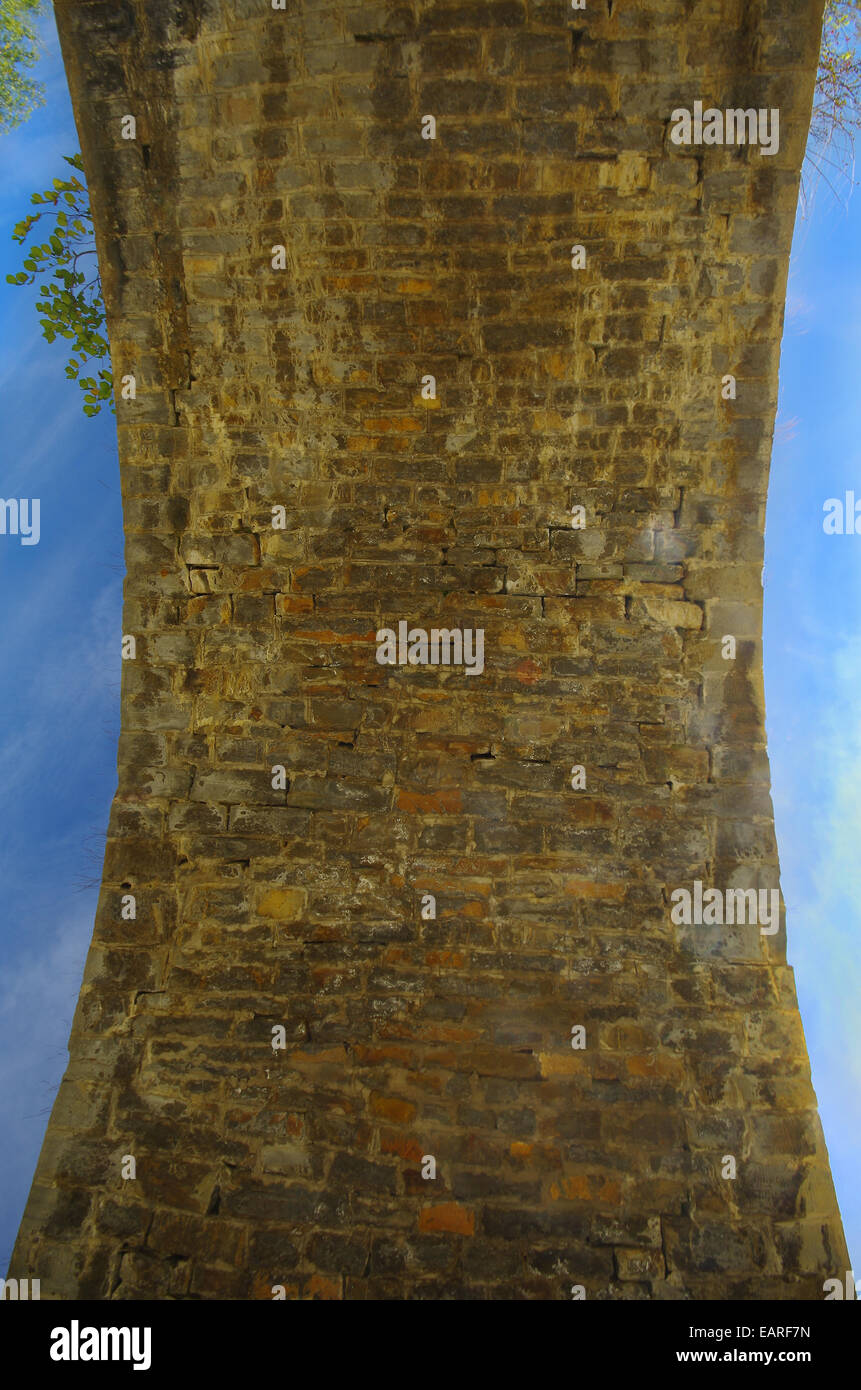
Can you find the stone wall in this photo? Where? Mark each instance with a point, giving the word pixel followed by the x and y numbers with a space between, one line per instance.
pixel 468 944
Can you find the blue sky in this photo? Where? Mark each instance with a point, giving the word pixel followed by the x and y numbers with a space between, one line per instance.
pixel 60 624
pixel 59 676
pixel 812 658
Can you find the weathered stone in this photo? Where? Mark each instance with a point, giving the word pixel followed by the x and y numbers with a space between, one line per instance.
pixel 427 902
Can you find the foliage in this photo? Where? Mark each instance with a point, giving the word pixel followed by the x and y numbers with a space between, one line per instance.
pixel 72 305
pixel 19 94
pixel 837 96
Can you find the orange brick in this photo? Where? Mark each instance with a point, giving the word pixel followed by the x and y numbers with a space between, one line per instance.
pixel 319 1287
pixel 447 1032
pixel 582 1188
pixel 399 424
pixel 402 1145
pixel 452 958
pixel 446 801
pixel 372 1055
pixel 527 671
pixel 448 1216
pixel 563 1063
pixel 586 888
pixel 400 1111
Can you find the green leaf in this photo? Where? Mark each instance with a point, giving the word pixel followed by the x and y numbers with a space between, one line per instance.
pixel 70 303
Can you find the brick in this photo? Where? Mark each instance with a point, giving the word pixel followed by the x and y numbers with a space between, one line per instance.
pixel 449 1217
pixel 448 1035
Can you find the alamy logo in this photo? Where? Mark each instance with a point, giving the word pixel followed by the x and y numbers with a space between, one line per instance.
pixel 11 1289
pixel 840 520
pixel 78 1343
pixel 21 518
pixel 734 127
pixel 733 906
pixel 833 1288
pixel 439 647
